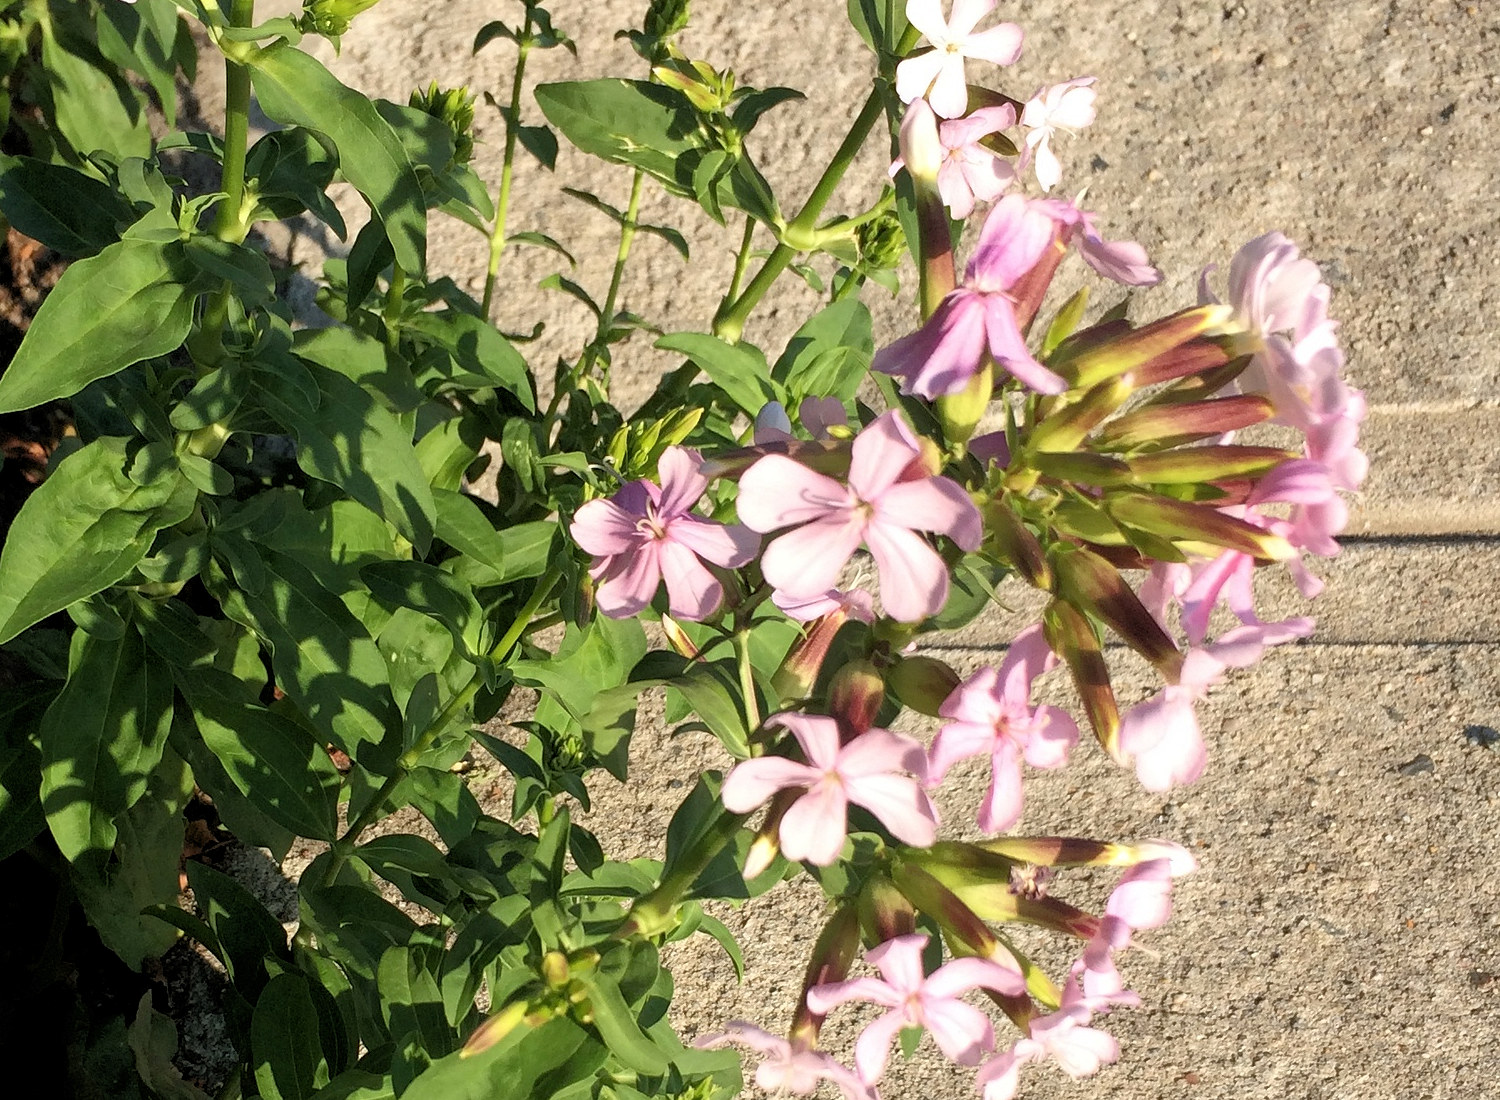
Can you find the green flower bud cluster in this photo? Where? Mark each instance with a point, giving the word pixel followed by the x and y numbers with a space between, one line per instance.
pixel 331 17
pixel 455 106
pixel 665 18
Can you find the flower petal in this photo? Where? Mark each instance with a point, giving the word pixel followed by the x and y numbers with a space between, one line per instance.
pixel 814 827
pixel 878 751
pixel 935 504
pixel 681 483
pixel 916 74
pixel 881 453
pixel 900 805
pixel 1001 44
pixel 816 733
pixel 693 593
pixel 629 581
pixel 603 528
pixel 730 546
pixel 777 492
pixel 913 579
pixel 950 92
pixel 751 783
pixel 807 561
pixel 962 1032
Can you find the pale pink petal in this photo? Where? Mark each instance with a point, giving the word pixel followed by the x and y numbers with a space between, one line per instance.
pixel 1053 735
pixel 1163 736
pixel 965 16
pixel 1000 1077
pixel 881 454
pixel 1001 806
pixel 816 733
pixel 1083 1050
pixel 807 561
pixel 1001 44
pixel 957 741
pixel 603 528
pixel 874 1046
pixel 1143 897
pixel 900 805
pixel 1008 347
pixel 681 483
pixel 916 74
pixel 1026 658
pixel 824 998
pixel 877 751
pixel 1125 262
pixel 751 783
pixel 730 546
pixel 934 504
pixel 961 1031
pixel 913 578
pixel 961 975
pixel 899 960
pixel 814 827
pixel 954 189
pixel 949 94
pixel 927 16
pixel 628 582
pixel 693 593
pixel 1015 235
pixel 777 492
pixel 942 355
pixel 1048 167
pixel 819 414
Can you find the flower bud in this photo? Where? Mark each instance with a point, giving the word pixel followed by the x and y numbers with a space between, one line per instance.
pixel 677 638
pixel 959 413
pixel 881 242
pixel 955 918
pixel 832 956
pixel 1174 425
pixel 884 911
pixel 332 17
pixel 1015 544
pixel 1090 583
pixel 1192 465
pixel 455 107
pixel 1083 468
pixel 1028 291
pixel 1066 428
pixel 855 696
pixel 921 148
pixel 1133 352
pixel 1195 357
pixel 1181 520
pixel 1064 851
pixel 665 18
pixel 1072 637
pixel 799 669
pixel 922 683
pixel 993 899
pixel 495 1029
pixel 767 843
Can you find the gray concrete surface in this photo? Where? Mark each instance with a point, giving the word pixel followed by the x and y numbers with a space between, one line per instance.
pixel 1342 938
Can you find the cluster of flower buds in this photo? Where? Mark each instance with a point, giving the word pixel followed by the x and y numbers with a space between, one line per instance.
pixel 1115 482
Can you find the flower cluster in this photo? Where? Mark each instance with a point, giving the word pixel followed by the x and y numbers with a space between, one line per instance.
pixel 1117 482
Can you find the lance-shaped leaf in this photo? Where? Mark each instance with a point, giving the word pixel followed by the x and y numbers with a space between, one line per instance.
pixel 285 1054
pixel 101 739
pixel 740 370
pixel 349 440
pixel 69 212
pixel 21 816
pixel 477 348
pixel 274 762
pixel 132 301
pixel 295 89
pixel 322 655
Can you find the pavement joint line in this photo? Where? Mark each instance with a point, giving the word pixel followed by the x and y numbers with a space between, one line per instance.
pixel 1429 408
pixel 1471 538
pixel 1304 644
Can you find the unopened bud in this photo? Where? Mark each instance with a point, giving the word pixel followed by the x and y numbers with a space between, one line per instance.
pixel 1072 637
pixel 1066 851
pixel 332 17
pixel 1083 468
pixel 1192 465
pixel 677 638
pixel 455 107
pixel 666 17
pixel 1175 425
pixel 1066 428
pixel 1089 582
pixel 922 683
pixel 799 669
pixel 555 969
pixel 767 843
pixel 955 918
pixel 832 956
pixel 881 242
pixel 1195 357
pixel 855 696
pixel 884 911
pixel 493 1030
pixel 1134 351
pixel 1181 520
pixel 921 148
pixel 959 413
pixel 1015 544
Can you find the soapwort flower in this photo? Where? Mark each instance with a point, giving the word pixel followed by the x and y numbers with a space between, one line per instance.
pixel 938 74
pixel 786 1066
pixel 866 772
pixel 648 532
pixel 889 497
pixel 1061 108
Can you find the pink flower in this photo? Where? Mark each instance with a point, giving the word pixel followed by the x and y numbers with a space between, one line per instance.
pixel 915 999
pixel 966 170
pixel 939 73
pixel 1124 262
pixel 888 499
pixel 1062 108
pixel 795 1069
pixel 1063 1036
pixel 1162 733
pixel 991 712
pixel 854 604
pixel 864 772
pixel 979 317
pixel 647 532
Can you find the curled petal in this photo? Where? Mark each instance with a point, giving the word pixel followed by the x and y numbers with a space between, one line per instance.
pixel 751 783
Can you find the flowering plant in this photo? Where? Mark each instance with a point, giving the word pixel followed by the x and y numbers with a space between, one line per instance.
pixel 258 572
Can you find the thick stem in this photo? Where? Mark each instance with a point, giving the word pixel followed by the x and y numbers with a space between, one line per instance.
pixel 502 197
pixel 731 321
pixel 653 913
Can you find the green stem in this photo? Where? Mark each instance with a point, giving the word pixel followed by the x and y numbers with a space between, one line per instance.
pixel 392 313
pixel 229 224
pixel 731 322
pixel 502 197
pixel 412 756
pixel 653 913
pixel 741 264
pixel 747 677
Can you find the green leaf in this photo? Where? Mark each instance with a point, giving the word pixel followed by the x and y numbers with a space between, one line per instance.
pixel 142 871
pixel 477 347
pixel 427 589
pixel 881 23
pixel 527 549
pixel 541 240
pixel 711 689
pixel 245 931
pixel 619 1027
pixel 130 302
pixel 739 370
pixel 285 1054
pixel 352 442
pixel 82 530
pixel 588 662
pixel 749 108
pixel 245 269
pixel 540 142
pixel 363 358
pixel 323 656
pixel 67 211
pixel 412 1002
pixel 510 1068
pixel 463 526
pixel 294 88
pixel 153 1038
pixel 92 107
pixel 101 739
pixel 273 761
pixel 21 814
pixel 830 354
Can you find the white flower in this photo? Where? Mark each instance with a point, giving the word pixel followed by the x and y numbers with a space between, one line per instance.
pixel 1067 107
pixel 939 73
